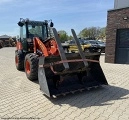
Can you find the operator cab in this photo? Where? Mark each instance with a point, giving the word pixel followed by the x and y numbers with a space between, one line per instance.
pixel 37 30
pixel 30 29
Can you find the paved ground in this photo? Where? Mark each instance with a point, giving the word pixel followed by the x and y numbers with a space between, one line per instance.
pixel 22 99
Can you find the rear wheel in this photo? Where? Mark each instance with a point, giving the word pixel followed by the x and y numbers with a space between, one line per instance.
pixel 19 60
pixel 31 66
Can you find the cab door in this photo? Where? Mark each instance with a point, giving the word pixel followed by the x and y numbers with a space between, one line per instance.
pixel 23 37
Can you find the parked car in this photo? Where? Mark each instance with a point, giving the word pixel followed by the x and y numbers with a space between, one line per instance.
pixel 73 47
pixel 99 46
pixel 94 45
pixel 85 44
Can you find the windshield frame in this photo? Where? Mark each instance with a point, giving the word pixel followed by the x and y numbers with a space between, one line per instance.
pixel 44 30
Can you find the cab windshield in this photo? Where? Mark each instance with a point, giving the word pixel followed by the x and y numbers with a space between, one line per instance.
pixel 37 31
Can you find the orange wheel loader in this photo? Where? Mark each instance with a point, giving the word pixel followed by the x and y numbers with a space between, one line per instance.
pixel 39 52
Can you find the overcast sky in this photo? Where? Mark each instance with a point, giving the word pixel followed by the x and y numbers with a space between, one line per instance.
pixel 66 14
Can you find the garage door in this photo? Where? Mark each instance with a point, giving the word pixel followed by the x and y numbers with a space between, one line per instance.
pixel 122 46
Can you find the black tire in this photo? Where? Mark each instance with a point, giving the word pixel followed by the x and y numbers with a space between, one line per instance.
pixel 31 72
pixel 99 50
pixel 19 60
pixel 86 50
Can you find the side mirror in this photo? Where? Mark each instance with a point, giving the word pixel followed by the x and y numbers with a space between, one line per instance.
pixel 20 24
pixel 51 24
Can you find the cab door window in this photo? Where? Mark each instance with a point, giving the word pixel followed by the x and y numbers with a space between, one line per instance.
pixel 23 37
pixel 23 32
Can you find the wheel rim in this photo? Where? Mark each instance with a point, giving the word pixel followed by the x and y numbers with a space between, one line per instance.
pixel 16 60
pixel 27 67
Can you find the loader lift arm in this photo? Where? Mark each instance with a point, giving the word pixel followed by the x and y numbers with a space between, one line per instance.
pixel 46 48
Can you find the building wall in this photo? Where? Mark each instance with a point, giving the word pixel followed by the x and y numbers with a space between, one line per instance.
pixel 114 21
pixel 121 4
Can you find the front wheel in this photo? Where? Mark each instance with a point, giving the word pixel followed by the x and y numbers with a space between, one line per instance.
pixel 31 66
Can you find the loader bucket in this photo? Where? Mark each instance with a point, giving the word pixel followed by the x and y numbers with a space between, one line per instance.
pixel 55 80
pixel 69 72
